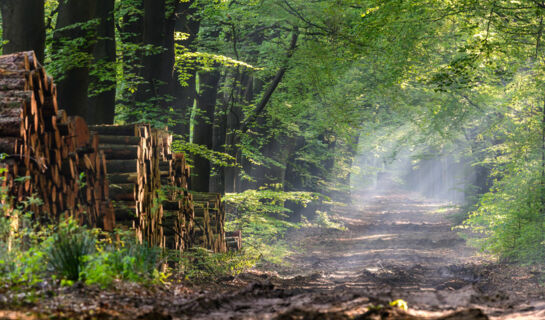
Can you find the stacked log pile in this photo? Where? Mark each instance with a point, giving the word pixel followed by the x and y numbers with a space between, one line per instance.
pixel 209 221
pixel 75 170
pixel 233 240
pixel 132 164
pixel 53 151
pixel 148 184
pixel 179 214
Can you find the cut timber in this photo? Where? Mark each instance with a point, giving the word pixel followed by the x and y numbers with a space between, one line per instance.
pixel 124 178
pixel 116 130
pixel 8 145
pixel 121 166
pixel 119 152
pixel 123 192
pixel 122 140
pixel 58 154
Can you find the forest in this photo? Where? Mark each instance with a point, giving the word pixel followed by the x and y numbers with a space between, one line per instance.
pixel 272 159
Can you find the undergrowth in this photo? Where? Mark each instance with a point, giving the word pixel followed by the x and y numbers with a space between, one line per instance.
pixel 264 220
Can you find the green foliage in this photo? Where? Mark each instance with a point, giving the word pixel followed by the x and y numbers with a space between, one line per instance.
pixel 220 159
pixel 510 220
pixel 68 249
pixel 261 214
pixel 126 260
pixel 199 264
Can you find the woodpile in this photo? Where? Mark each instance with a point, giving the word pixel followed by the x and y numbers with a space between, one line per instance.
pixel 209 221
pixel 132 161
pixel 55 153
pixel 233 240
pixel 148 184
pixel 179 214
pixel 102 175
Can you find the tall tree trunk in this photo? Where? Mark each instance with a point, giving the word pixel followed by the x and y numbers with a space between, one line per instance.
pixel 102 105
pixel 241 93
pixel 131 35
pixel 184 97
pixel 202 132
pixel 73 87
pixel 217 181
pixel 154 35
pixel 23 26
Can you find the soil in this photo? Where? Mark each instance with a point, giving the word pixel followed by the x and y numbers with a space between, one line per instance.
pixel 395 246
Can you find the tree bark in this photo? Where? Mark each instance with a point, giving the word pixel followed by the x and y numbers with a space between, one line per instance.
pixel 102 105
pixel 132 37
pixel 154 34
pixel 203 130
pixel 184 97
pixel 73 87
pixel 23 26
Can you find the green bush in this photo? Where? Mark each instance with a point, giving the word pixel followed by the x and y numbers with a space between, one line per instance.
pixel 509 220
pixel 127 260
pixel 199 263
pixel 68 250
pixel 261 215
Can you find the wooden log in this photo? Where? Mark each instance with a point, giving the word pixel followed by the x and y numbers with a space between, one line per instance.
pixel 10 126
pixel 205 196
pixel 124 178
pixel 79 131
pixel 119 152
pixel 122 166
pixel 8 145
pixel 116 130
pixel 122 140
pixel 122 192
pixel 19 61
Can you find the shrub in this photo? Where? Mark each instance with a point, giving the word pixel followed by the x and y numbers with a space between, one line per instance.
pixel 200 263
pixel 68 249
pixel 126 260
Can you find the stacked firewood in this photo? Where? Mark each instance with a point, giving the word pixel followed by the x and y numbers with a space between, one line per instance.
pixel 75 170
pixel 132 164
pixel 148 184
pixel 209 221
pixel 233 240
pixel 49 154
pixel 179 214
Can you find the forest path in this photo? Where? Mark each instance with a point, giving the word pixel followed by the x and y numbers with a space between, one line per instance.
pixel 395 246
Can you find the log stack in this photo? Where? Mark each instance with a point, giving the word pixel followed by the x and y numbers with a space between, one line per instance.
pixel 179 214
pixel 54 152
pixel 148 183
pixel 209 221
pixel 76 170
pixel 133 175
pixel 233 240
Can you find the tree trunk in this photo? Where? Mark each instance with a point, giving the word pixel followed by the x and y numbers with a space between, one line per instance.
pixel 102 105
pixel 23 26
pixel 153 34
pixel 203 131
pixel 131 35
pixel 184 97
pixel 73 87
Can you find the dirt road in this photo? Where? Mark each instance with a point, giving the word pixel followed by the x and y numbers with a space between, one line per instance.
pixel 395 246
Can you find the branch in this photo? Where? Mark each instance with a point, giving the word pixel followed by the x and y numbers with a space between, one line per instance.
pixel 274 84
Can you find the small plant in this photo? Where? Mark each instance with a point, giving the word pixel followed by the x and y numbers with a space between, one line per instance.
pixel 123 260
pixel 199 263
pixel 261 215
pixel 68 249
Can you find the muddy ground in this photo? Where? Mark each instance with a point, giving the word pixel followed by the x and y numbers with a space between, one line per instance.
pixel 395 246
